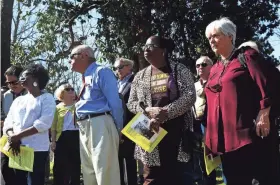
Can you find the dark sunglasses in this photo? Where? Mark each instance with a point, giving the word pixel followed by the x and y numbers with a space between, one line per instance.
pixel 69 89
pixel 12 83
pixel 150 46
pixel 119 67
pixel 202 65
pixel 73 55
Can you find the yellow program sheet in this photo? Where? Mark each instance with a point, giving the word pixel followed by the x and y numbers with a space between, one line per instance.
pixel 24 161
pixel 138 130
pixel 4 145
pixel 211 163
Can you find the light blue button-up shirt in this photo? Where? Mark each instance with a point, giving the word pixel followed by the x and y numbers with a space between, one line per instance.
pixel 122 83
pixel 100 94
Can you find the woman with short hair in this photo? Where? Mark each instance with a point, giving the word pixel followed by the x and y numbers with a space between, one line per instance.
pixel 65 139
pixel 238 103
pixel 29 120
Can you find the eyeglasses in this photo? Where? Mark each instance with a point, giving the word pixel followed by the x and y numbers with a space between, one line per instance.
pixel 202 65
pixel 150 46
pixel 74 54
pixel 12 83
pixel 119 67
pixel 69 89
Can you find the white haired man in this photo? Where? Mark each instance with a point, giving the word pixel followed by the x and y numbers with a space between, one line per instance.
pixel 123 68
pixel 100 118
pixel 203 66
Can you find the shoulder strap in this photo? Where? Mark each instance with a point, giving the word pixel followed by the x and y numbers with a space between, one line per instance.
pixel 242 59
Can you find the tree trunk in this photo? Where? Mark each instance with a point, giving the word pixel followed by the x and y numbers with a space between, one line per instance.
pixel 6 24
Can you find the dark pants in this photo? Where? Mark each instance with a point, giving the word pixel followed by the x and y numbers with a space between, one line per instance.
pixel 170 171
pixel 37 177
pixel 128 165
pixel 269 162
pixel 67 164
pixel 239 166
pixel 200 174
pixel 7 173
pixel 129 172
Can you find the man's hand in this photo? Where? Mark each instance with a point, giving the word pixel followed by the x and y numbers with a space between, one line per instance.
pixel 121 138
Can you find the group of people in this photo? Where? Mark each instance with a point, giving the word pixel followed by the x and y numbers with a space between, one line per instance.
pixel 230 104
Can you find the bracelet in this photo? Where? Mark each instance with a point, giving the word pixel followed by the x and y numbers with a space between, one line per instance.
pixel 9 129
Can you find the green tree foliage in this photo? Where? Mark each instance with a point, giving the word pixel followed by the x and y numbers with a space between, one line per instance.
pixel 122 28
pixel 125 25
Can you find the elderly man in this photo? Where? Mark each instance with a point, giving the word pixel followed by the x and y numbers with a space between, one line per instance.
pixel 100 118
pixel 123 68
pixel 203 67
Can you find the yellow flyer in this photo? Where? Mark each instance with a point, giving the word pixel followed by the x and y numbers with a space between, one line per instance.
pixel 211 163
pixel 138 130
pixel 24 161
pixel 4 145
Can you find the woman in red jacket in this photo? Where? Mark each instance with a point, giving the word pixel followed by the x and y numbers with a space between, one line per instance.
pixel 238 107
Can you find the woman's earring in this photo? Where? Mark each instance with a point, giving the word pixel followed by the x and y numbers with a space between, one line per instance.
pixel 35 84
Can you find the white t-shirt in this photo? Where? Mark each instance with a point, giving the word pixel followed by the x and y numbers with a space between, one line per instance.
pixel 27 111
pixel 69 121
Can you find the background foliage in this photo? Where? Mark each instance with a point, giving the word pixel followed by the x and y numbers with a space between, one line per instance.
pixel 45 31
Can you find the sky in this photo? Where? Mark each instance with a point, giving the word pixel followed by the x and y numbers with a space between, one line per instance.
pixel 275 43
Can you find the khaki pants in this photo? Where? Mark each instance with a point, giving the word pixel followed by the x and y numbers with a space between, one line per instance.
pixel 99 142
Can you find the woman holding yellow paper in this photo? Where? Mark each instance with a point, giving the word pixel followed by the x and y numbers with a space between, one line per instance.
pixel 65 139
pixel 28 121
pixel 165 92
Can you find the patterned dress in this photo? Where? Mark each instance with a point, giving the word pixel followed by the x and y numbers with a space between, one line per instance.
pixel 141 92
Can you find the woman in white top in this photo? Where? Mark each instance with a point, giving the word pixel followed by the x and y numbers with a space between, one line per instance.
pixel 28 121
pixel 65 139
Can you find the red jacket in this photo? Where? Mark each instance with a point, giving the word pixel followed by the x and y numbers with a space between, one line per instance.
pixel 234 97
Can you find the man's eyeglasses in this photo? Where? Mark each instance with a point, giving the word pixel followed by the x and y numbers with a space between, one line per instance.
pixel 202 65
pixel 69 89
pixel 119 67
pixel 150 46
pixel 73 55
pixel 12 83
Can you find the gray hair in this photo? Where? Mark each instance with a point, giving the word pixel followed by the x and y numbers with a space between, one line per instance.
pixel 85 49
pixel 205 59
pixel 125 61
pixel 60 90
pixel 224 25
pixel 250 44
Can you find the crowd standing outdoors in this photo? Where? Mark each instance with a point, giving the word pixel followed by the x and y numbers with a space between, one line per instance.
pixel 232 106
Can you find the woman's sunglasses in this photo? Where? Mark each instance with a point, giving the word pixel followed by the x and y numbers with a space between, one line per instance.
pixel 12 83
pixel 69 89
pixel 202 65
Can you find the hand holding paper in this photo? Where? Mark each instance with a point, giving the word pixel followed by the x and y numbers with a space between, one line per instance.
pixel 139 131
pixel 158 113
